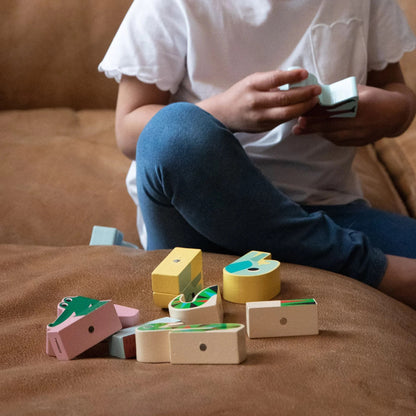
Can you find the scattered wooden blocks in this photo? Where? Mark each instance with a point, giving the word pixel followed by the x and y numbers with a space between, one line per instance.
pixel 191 344
pixel 281 318
pixel 108 236
pixel 253 277
pixel 339 99
pixel 179 273
pixel 83 323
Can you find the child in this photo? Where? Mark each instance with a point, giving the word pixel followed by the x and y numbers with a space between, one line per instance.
pixel 228 162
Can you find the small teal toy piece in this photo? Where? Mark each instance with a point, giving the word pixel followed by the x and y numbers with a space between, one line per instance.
pixel 108 236
pixel 123 343
pixel 339 99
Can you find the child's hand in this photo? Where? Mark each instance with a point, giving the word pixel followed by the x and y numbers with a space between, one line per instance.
pixel 256 104
pixel 381 113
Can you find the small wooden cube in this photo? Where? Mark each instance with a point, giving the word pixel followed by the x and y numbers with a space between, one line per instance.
pixel 123 343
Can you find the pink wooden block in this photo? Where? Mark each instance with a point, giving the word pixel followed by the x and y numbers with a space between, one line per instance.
pixel 128 316
pixel 83 323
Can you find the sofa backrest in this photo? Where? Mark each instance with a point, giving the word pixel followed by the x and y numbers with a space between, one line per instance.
pixel 50 50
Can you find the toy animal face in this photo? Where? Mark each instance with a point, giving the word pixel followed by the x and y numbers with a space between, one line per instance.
pixel 76 306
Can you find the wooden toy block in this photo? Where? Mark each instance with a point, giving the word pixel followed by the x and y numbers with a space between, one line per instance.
pixel 123 343
pixel 152 340
pixel 281 318
pixel 339 99
pixel 128 316
pixel 252 277
pixel 204 308
pixel 108 236
pixel 83 323
pixel 179 273
pixel 208 344
pixel 174 342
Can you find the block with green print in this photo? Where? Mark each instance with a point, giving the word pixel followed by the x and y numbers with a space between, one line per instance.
pixel 282 318
pixel 82 323
pixel 214 343
pixel 205 307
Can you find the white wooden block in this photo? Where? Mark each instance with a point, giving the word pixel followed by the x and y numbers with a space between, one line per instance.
pixel 282 318
pixel 208 344
pixel 152 340
pixel 205 307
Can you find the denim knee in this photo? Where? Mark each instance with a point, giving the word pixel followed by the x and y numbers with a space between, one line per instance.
pixel 181 137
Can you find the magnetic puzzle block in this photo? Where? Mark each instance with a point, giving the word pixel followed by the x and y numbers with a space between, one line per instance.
pixel 179 273
pixel 252 277
pixel 216 343
pixel 339 99
pixel 108 236
pixel 204 308
pixel 83 323
pixel 280 318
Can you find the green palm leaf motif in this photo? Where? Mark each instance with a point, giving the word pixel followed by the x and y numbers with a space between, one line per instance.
pixel 201 298
pixel 297 302
pixel 78 305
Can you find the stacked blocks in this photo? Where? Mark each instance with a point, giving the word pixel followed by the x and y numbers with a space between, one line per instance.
pixel 191 344
pixel 252 277
pixel 282 318
pixel 179 273
pixel 204 308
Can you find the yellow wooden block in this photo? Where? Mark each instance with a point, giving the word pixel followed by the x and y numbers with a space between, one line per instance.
pixel 253 277
pixel 162 299
pixel 177 270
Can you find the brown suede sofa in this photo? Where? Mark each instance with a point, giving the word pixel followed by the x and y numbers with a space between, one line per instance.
pixel 61 173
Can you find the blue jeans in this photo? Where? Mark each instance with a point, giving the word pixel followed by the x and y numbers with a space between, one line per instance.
pixel 197 188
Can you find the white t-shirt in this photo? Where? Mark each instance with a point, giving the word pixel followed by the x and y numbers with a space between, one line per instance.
pixel 198 48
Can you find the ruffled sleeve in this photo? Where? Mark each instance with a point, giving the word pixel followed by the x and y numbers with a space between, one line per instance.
pixel 150 45
pixel 389 34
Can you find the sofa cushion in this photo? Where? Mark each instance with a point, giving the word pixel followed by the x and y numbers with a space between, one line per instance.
pixel 399 158
pixel 61 175
pixel 362 361
pixel 51 50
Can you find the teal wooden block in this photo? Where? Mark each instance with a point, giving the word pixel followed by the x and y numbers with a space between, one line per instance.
pixel 337 100
pixel 108 236
pixel 123 343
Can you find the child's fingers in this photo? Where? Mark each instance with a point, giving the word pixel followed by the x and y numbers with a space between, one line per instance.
pixel 291 97
pixel 266 81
